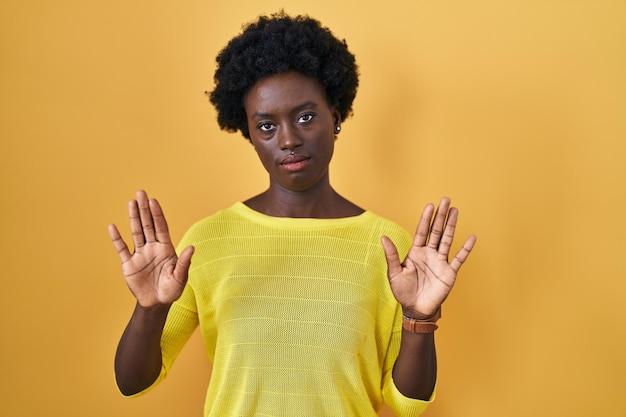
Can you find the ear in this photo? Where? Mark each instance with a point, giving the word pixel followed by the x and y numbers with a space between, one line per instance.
pixel 336 118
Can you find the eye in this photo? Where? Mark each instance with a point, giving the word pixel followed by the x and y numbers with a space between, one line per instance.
pixel 265 127
pixel 305 118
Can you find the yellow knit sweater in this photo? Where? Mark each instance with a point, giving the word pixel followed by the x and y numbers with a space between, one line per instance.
pixel 296 315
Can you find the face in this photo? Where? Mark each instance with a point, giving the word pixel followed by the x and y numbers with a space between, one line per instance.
pixel 292 128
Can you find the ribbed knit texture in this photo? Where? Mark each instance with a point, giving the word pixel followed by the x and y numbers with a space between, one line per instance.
pixel 296 315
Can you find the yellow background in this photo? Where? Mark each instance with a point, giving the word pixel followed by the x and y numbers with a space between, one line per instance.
pixel 515 109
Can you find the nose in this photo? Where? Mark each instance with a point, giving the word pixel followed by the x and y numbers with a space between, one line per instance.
pixel 288 138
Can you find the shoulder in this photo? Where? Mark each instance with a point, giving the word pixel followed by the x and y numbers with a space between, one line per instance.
pixel 380 226
pixel 212 225
pixel 385 225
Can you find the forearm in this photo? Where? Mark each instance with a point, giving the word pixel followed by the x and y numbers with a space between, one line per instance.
pixel 415 370
pixel 138 357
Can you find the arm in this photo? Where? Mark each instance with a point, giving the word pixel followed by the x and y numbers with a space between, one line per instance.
pixel 156 277
pixel 421 284
pixel 138 355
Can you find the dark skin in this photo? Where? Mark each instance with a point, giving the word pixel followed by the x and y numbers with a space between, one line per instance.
pixel 293 129
pixel 289 113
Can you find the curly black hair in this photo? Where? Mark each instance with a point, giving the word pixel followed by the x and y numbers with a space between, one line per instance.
pixel 275 44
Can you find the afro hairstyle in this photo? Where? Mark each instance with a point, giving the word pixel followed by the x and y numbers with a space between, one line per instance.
pixel 275 44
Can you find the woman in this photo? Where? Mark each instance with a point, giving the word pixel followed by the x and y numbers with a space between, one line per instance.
pixel 301 310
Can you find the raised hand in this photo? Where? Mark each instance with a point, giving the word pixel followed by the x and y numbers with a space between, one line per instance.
pixel 423 281
pixel 153 272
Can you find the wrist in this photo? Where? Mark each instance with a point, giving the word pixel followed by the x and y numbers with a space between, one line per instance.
pixel 421 325
pixel 414 315
pixel 154 312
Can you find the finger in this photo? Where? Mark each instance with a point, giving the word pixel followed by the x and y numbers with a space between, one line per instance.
pixel 448 232
pixel 118 243
pixel 394 266
pixel 181 270
pixel 436 229
pixel 135 224
pixel 463 253
pixel 421 233
pixel 160 224
pixel 147 222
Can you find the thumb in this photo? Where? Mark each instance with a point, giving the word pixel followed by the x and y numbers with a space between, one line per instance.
pixel 182 264
pixel 394 266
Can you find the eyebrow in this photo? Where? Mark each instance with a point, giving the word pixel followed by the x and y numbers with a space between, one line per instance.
pixel 299 107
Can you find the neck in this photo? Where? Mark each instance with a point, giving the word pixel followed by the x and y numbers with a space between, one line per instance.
pixel 321 201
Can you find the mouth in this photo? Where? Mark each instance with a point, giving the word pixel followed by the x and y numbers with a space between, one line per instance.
pixel 294 162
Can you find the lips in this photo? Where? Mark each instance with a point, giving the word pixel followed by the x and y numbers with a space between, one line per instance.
pixel 292 159
pixel 294 162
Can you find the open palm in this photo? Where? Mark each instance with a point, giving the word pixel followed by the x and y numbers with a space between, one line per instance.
pixel 153 272
pixel 424 279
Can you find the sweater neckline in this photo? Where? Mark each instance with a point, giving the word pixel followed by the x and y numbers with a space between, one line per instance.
pixel 298 222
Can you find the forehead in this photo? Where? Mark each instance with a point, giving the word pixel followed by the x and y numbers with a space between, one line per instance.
pixel 282 92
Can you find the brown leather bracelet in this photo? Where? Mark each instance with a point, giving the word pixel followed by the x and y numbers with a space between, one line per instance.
pixel 421 326
pixel 416 326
